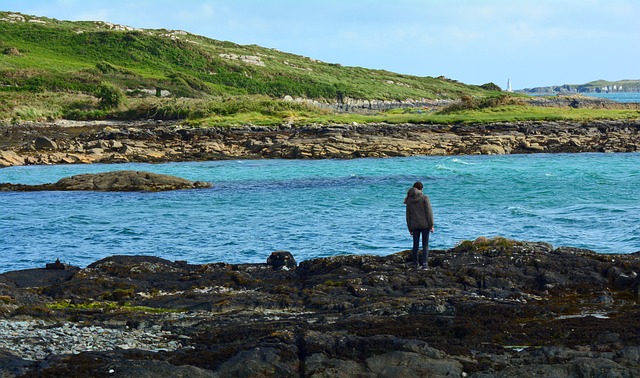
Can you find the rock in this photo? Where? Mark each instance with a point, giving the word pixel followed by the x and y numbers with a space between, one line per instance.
pixel 492 149
pixel 118 181
pixel 153 369
pixel 320 366
pixel 126 181
pixel 594 367
pixel 9 159
pixel 44 143
pixel 39 277
pixel 281 260
pixel 11 365
pixel 406 364
pixel 55 265
pixel 631 354
pixel 490 307
pixel 11 51
pixel 261 362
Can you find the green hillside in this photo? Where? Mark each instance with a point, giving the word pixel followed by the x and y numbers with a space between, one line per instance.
pixel 41 53
pixel 51 69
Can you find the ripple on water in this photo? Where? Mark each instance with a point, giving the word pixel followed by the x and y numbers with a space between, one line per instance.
pixel 324 208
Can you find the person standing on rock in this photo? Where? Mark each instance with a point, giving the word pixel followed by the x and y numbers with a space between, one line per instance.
pixel 420 223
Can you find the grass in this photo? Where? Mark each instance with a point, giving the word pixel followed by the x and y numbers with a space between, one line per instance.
pixel 74 55
pixel 483 116
pixel 52 70
pixel 513 113
pixel 484 245
pixel 263 111
pixel 107 305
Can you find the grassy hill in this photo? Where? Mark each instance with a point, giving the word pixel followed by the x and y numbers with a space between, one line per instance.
pixel 62 55
pixel 52 69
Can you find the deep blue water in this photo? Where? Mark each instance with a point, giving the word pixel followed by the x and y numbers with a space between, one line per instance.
pixel 323 208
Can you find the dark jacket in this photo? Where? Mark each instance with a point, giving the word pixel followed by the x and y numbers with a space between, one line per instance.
pixel 419 213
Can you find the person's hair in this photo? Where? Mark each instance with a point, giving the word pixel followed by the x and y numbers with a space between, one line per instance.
pixel 417 185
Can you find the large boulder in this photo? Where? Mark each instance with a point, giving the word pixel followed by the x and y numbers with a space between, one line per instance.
pixel 118 181
pixel 44 143
pixel 126 181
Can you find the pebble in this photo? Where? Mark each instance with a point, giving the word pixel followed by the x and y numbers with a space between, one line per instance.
pixel 36 340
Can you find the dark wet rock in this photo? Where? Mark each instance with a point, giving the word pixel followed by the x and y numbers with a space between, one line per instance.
pixel 44 143
pixel 281 260
pixel 56 265
pixel 39 277
pixel 12 366
pixel 118 181
pixel 122 364
pixel 280 361
pixel 487 308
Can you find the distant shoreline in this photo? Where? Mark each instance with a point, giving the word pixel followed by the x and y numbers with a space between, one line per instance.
pixel 156 141
pixel 620 97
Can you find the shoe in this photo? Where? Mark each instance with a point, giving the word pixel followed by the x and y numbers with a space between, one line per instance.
pixel 424 267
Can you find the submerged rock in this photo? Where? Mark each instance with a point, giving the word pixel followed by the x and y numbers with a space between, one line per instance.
pixel 118 181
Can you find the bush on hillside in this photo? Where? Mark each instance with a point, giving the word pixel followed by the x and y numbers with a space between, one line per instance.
pixel 491 87
pixel 108 68
pixel 472 103
pixel 110 96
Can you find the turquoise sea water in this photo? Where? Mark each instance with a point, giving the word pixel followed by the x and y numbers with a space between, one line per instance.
pixel 323 208
pixel 613 96
pixel 617 96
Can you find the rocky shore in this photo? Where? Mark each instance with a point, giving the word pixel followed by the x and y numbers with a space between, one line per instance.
pixel 486 308
pixel 154 141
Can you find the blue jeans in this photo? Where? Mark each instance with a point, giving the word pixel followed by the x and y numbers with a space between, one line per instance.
pixel 425 246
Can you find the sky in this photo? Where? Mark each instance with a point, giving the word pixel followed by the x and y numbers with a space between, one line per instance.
pixel 530 42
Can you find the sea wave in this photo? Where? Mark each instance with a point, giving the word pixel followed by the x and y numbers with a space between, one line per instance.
pixel 325 208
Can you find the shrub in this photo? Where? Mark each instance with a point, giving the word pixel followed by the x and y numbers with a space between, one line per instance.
pixel 112 69
pixel 470 103
pixel 85 115
pixel 491 87
pixel 483 245
pixel 110 96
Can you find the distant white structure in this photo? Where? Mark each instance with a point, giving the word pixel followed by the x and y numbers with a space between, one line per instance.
pixel 509 86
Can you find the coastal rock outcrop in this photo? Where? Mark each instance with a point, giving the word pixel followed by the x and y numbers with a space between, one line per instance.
pixel 486 308
pixel 118 181
pixel 162 142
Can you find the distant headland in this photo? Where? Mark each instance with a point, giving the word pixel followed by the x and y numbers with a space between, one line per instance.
pixel 598 86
